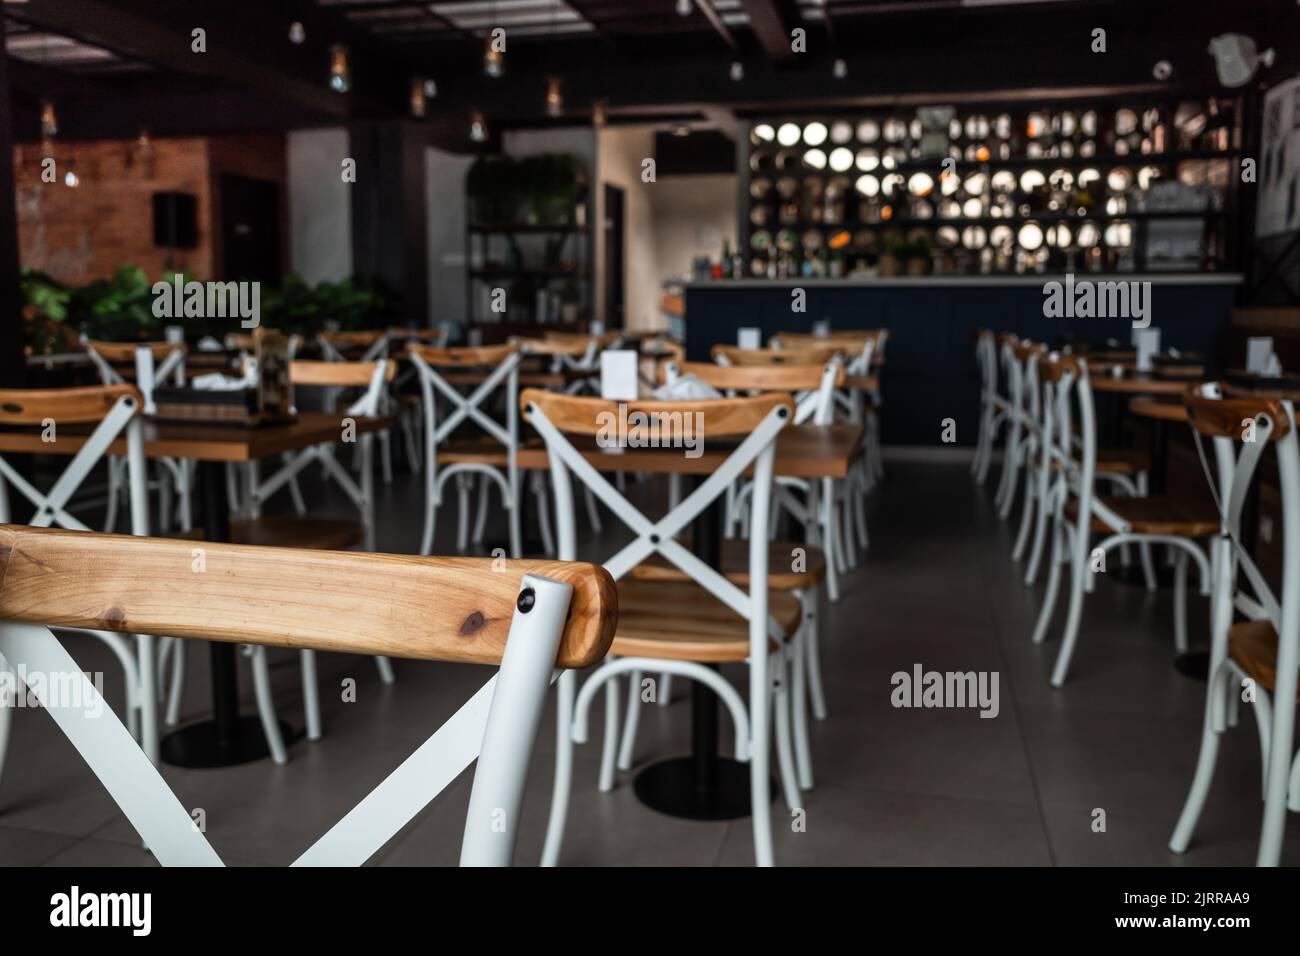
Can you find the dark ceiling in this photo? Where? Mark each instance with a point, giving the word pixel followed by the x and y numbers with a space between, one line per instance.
pixel 116 66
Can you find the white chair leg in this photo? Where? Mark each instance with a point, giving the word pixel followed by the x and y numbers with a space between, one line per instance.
pixel 1209 755
pixel 514 524
pixel 386 455
pixel 1055 558
pixel 812 655
pixel 799 698
pixel 310 694
pixel 430 516
pixel 1041 516
pixel 538 480
pixel 148 696
pixel 385 668
pixel 609 750
pixel 1180 602
pixel 665 695
pixel 480 519
pixel 115 466
pixel 1078 576
pixel 860 517
pixel 760 773
pixel 1026 516
pixel 631 720
pixel 7 708
pixel 266 706
pixel 784 747
pixel 462 513
pixel 564 694
pixel 176 690
pixel 830 539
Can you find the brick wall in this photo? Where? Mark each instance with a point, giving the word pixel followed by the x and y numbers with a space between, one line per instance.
pixel 84 233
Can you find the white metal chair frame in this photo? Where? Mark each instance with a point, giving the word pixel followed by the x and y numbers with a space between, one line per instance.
pixel 659 537
pixel 497 726
pixel 1070 541
pixel 994 407
pixel 138 665
pixel 258 492
pixel 1275 716
pixel 173 472
pixel 378 349
pixel 469 408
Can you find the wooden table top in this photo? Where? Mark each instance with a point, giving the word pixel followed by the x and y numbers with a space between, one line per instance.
pixel 1162 409
pixel 802 451
pixel 201 442
pixel 1140 383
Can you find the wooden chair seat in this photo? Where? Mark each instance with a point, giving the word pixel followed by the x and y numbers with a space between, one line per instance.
pixel 681 621
pixel 1253 646
pixel 1156 514
pixel 288 531
pixel 1113 461
pixel 483 450
pixel 735 566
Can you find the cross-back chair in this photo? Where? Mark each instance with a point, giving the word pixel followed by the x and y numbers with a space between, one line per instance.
pixel 492 455
pixel 1078 511
pixel 527 618
pixel 1261 652
pixel 672 626
pixel 168 360
pixel 114 411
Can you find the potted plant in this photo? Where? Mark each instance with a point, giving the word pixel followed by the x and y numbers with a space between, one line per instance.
pixel 494 187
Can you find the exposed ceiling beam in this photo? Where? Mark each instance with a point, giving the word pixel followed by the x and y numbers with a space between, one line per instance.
pixel 715 21
pixel 771 22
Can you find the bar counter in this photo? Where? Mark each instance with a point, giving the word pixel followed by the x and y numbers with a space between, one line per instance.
pixel 930 371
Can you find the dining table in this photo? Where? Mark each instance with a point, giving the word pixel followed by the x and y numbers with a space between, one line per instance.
pixel 705 785
pixel 228 737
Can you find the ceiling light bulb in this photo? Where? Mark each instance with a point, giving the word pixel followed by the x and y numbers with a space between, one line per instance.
pixel 1236 58
pixel 840 69
pixel 1163 70
pixel 296 32
pixel 49 120
pixel 340 76
pixel 494 60
pixel 684 8
pixel 430 89
pixel 554 97
pixel 478 128
pixel 417 98
pixel 737 71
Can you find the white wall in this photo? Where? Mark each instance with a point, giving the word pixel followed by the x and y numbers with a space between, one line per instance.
pixel 320 207
pixel 444 187
pixel 620 152
pixel 692 216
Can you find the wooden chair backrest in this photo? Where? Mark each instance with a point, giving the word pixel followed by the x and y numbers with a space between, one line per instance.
pixel 767 378
pixel 603 340
pixel 461 357
pixel 350 339
pixel 1224 417
pixel 442 609
pixel 854 340
pixel 125 351
pixel 722 417
pixel 337 374
pixel 575 349
pixel 802 355
pixel 1052 367
pixel 64 405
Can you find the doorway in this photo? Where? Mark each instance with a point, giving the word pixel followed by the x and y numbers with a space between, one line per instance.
pixel 250 229
pixel 615 228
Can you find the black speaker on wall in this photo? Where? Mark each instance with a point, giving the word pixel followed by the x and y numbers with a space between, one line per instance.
pixel 175 223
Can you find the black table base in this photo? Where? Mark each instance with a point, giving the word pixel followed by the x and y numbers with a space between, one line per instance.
pixel 674 787
pixel 201 745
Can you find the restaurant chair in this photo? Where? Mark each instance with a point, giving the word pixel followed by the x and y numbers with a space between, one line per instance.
pixel 994 408
pixel 526 618
pixel 685 628
pixel 1262 652
pixel 169 365
pixel 373 345
pixel 303 532
pixel 114 411
pixel 1077 512
pixel 492 456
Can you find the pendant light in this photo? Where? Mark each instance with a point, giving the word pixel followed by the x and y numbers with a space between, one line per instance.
pixel 478 130
pixel 49 120
pixel 296 32
pixel 554 97
pixel 340 75
pixel 418 100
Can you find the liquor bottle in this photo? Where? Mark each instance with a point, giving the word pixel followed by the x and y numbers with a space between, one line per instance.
pixel 726 258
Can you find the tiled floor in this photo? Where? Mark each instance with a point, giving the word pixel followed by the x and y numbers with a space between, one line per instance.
pixel 894 786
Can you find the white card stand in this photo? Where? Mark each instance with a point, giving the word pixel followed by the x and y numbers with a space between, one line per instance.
pixel 822 328
pixel 1259 354
pixel 1147 342
pixel 618 377
pixel 749 338
pixel 597 327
